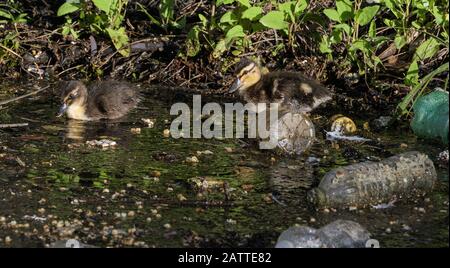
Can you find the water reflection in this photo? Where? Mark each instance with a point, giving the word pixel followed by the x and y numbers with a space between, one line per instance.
pixel 75 130
pixel 81 131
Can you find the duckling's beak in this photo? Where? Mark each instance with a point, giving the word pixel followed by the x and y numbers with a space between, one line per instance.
pixel 62 110
pixel 235 86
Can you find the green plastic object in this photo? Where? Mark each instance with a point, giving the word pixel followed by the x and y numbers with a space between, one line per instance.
pixel 431 116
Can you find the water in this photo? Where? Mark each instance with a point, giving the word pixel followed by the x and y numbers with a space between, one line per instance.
pixel 236 197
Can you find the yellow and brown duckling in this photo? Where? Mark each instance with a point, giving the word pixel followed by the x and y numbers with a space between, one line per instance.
pixel 99 100
pixel 293 91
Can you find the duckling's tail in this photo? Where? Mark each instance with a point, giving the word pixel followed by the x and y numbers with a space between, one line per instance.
pixel 320 95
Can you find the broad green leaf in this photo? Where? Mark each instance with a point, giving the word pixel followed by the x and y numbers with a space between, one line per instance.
pixel 427 49
pixel 344 9
pixel 345 27
pixel 228 17
pixel 332 14
pixel 399 41
pixel 5 15
pixel 193 42
pixel 362 45
pixel 103 5
pixel 252 13
pixel 224 2
pixel 324 45
pixel 274 20
pixel 245 3
pixel 236 31
pixel 67 8
pixel 120 40
pixel 391 4
pixel 287 6
pixel 300 6
pixel 365 15
pixel 336 35
pixel 74 33
pixel 416 25
pixel 220 48
pixel 412 76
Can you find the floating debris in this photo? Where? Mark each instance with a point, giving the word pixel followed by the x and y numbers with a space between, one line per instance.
pixel 104 143
pixel 34 218
pixel 382 122
pixel 338 234
pixel 149 121
pixel 410 174
pixel 136 130
pixel 341 128
pixel 294 133
pixel 343 124
pixel 443 158
pixel 337 135
pixel 390 204
pixel 206 152
pixel 166 133
pixel 192 160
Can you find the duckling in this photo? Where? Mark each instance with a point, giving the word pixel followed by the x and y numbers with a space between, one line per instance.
pixel 102 100
pixel 293 92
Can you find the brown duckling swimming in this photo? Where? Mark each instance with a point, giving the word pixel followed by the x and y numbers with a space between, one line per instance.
pixel 293 92
pixel 99 100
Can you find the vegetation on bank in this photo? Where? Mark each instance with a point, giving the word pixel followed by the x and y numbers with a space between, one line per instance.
pixel 395 47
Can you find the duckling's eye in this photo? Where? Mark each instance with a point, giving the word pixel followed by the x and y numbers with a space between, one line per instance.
pixel 71 97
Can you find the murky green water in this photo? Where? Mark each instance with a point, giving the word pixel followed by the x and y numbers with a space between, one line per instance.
pixel 53 186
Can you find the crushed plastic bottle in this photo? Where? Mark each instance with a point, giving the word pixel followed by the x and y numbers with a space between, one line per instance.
pixel 294 132
pixel 338 234
pixel 369 183
pixel 431 116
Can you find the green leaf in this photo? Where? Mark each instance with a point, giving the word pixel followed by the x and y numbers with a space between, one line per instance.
pixel 412 76
pixel 6 15
pixel 332 14
pixel 324 45
pixel 220 48
pixel 365 15
pixel 245 3
pixel 362 45
pixel 274 20
pixel 229 17
pixel 344 9
pixel 236 31
pixel 166 9
pixel 400 41
pixel 391 4
pixel 103 5
pixel 300 6
pixel 427 49
pixel 152 19
pixel 252 13
pixel 120 40
pixel 372 29
pixel 224 2
pixel 418 89
pixel 345 27
pixel 67 8
pixel 193 42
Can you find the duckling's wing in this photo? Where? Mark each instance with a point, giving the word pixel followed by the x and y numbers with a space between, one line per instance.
pixel 116 100
pixel 300 92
